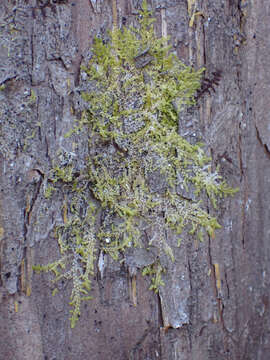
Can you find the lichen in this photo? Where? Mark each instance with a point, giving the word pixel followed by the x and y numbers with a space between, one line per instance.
pixel 138 164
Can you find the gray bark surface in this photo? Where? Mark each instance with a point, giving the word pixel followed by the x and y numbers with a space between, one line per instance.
pixel 215 302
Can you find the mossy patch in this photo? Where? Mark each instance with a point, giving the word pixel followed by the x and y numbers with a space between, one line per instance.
pixel 138 163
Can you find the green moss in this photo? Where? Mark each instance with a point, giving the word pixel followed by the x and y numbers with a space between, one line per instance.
pixel 131 181
pixel 49 191
pixel 155 272
pixel 33 97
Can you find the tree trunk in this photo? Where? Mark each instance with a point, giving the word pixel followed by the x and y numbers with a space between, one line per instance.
pixel 215 301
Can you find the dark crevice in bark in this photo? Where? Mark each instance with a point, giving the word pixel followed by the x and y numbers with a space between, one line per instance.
pixel 216 279
pixel 59 61
pixel 242 180
pixel 5 82
pixel 204 45
pixel 47 148
pixel 54 120
pixel 92 6
pixel 160 324
pixel 240 154
pixel 190 276
pixel 39 133
pixel 243 211
pixel 242 167
pixel 35 196
pixel 265 147
pixel 227 284
pixel 25 264
pixel 160 314
pixel 78 71
pixel 202 330
pixel 239 142
pixel 30 205
pixel 211 265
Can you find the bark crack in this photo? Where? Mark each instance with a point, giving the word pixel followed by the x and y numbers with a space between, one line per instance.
pixel 31 203
pixel 26 264
pixel 161 320
pixel 240 155
pixel 227 284
pixel 245 189
pixel 265 147
pixel 215 272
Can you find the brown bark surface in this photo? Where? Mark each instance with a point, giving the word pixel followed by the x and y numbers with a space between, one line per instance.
pixel 215 302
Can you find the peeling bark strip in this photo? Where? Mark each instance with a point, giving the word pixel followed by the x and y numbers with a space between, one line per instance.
pixel 36 40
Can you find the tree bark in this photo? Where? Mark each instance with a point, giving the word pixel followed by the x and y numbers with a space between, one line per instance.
pixel 215 302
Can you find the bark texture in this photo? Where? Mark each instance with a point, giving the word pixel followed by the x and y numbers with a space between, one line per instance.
pixel 215 302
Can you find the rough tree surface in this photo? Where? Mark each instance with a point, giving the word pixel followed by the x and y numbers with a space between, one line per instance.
pixel 215 302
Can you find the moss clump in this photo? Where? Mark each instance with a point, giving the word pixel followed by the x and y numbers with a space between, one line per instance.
pixel 139 166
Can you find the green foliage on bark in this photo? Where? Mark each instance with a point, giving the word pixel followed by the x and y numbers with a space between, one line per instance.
pixel 139 168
